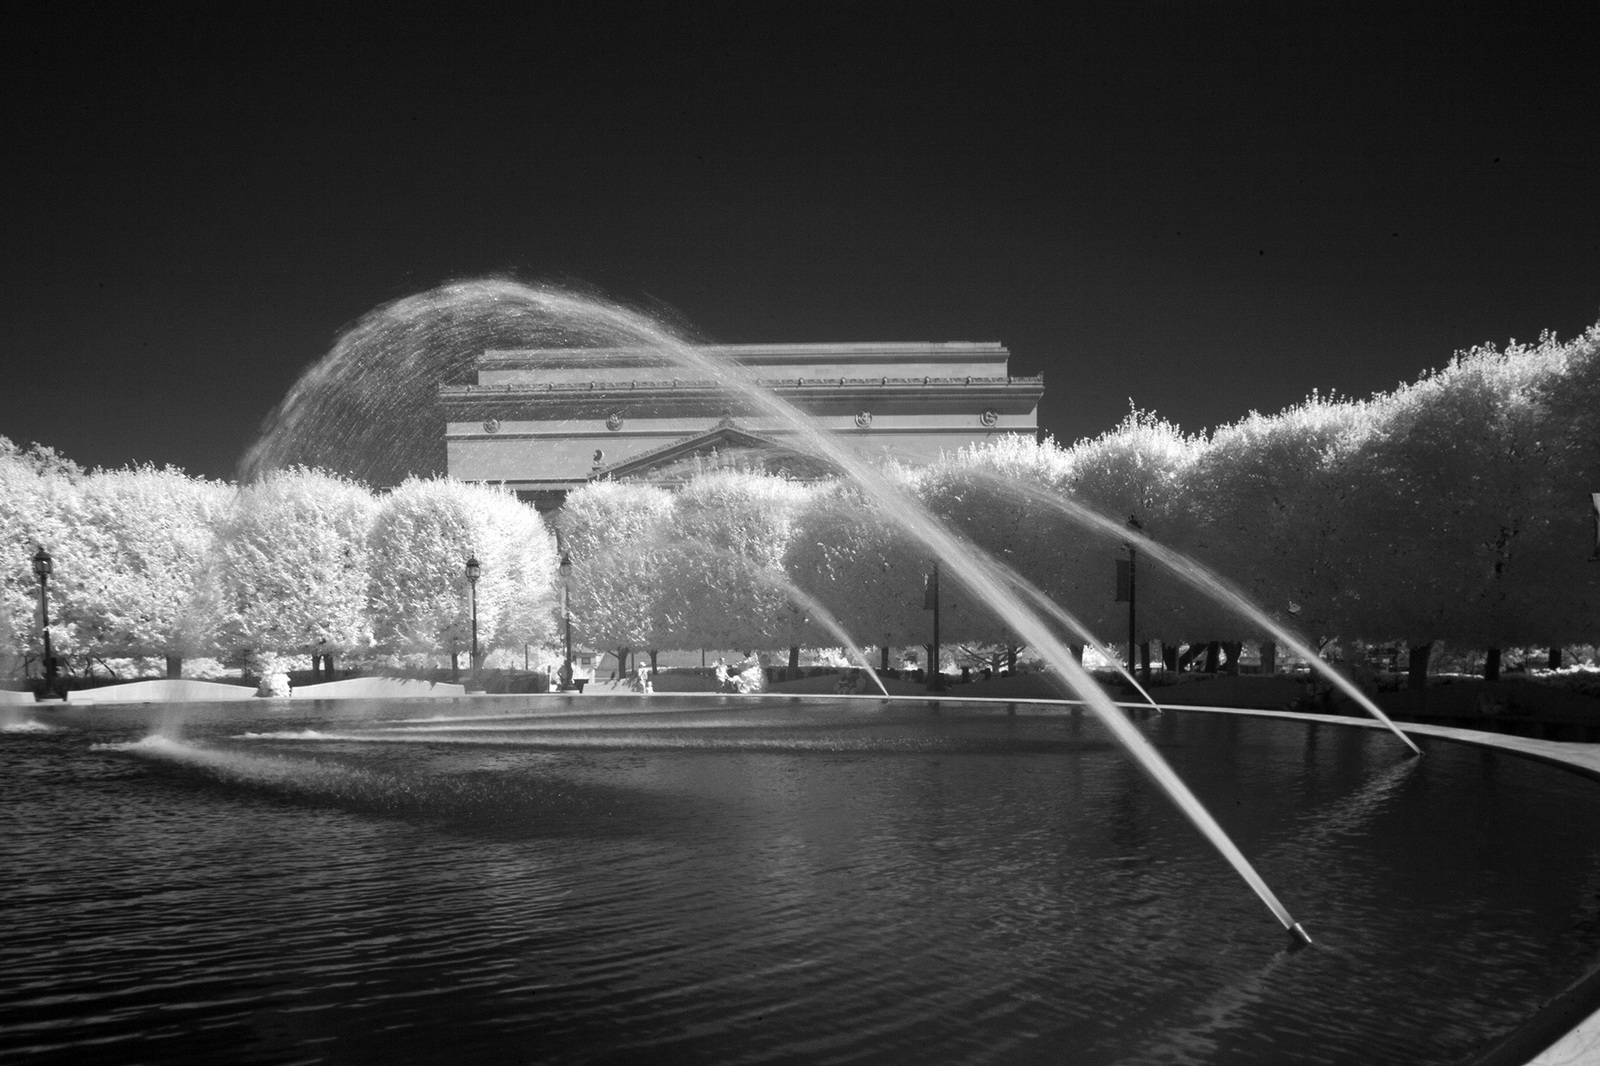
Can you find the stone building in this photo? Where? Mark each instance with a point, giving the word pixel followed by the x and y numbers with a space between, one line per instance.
pixel 545 421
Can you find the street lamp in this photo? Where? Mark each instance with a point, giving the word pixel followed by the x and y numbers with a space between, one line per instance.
pixel 566 617
pixel 42 566
pixel 930 602
pixel 1135 526
pixel 473 570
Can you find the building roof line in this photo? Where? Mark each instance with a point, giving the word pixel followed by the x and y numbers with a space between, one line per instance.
pixel 680 385
pixel 823 348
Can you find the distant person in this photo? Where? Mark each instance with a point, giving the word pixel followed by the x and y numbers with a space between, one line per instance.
pixel 642 682
pixel 750 675
pixel 724 682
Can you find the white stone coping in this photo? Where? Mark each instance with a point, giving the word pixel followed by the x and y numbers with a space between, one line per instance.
pixel 376 688
pixel 162 690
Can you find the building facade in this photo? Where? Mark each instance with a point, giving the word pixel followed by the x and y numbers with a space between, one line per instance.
pixel 544 421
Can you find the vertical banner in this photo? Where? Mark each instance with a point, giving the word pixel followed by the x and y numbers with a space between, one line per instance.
pixel 1594 499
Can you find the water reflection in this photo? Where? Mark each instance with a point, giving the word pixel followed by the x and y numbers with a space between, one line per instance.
pixel 822 882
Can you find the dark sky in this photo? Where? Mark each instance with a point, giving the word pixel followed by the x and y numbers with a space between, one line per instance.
pixel 1206 207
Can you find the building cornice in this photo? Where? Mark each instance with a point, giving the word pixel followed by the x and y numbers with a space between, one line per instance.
pixel 680 388
pixel 877 430
pixel 745 354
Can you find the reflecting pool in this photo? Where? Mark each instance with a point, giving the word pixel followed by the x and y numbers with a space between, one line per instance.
pixel 729 880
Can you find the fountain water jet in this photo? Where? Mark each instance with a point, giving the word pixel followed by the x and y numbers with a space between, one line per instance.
pixel 1202 579
pixel 983 577
pixel 805 601
pixel 776 581
pixel 1068 619
pixel 810 603
pixel 355 411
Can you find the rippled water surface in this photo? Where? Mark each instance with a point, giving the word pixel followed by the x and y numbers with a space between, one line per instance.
pixel 742 882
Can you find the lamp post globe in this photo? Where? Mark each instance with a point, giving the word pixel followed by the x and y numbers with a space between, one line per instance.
pixel 474 569
pixel 43 567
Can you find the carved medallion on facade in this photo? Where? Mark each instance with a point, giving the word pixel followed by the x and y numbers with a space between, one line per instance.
pixel 614 421
pixel 491 425
pixel 864 420
pixel 989 418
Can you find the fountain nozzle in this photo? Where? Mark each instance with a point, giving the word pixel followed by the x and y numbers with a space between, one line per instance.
pixel 1298 937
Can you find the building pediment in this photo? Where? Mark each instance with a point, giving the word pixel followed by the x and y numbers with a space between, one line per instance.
pixel 725 445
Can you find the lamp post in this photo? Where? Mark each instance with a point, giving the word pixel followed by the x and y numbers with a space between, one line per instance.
pixel 930 602
pixel 1133 555
pixel 43 566
pixel 566 619
pixel 473 570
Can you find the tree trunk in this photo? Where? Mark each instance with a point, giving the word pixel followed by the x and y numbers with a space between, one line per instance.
pixel 1011 658
pixel 1417 666
pixel 1213 655
pixel 175 666
pixel 1169 657
pixel 1077 652
pixel 327 662
pixel 1269 657
pixel 455 666
pixel 794 662
pixel 652 662
pixel 883 667
pixel 1555 657
pixel 1491 665
pixel 622 663
pixel 1234 649
pixel 1144 662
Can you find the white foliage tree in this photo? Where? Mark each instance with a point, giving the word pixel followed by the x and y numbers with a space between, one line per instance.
pixel 616 535
pixel 983 492
pixel 1558 556
pixel 38 491
pixel 1140 470
pixel 857 562
pixel 1269 500
pixel 723 559
pixel 147 535
pixel 421 537
pixel 1455 487
pixel 292 564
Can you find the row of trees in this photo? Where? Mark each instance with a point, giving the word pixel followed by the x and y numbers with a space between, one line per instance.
pixel 149 562
pixel 1452 509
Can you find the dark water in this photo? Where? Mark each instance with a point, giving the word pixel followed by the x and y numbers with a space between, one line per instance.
pixel 818 882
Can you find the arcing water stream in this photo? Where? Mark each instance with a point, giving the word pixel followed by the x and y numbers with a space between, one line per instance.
pixel 810 603
pixel 561 313
pixel 1066 618
pixel 1207 583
